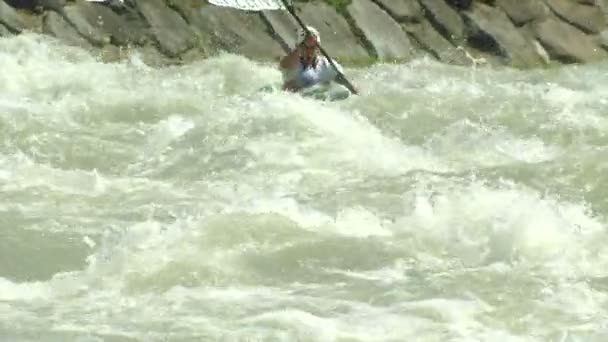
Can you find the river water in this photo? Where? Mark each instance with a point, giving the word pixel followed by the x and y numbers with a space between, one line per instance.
pixel 180 204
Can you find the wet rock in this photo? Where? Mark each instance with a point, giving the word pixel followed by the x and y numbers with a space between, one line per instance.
pixel 492 28
pixel 433 42
pixel 4 32
pixel 10 19
pixel 234 31
pixel 101 25
pixel 522 12
pixel 587 18
pixel 169 29
pixel 385 35
pixel 445 19
pixel 55 25
pixel 402 10
pixel 565 43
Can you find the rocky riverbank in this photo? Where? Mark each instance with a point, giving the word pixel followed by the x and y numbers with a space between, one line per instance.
pixel 522 33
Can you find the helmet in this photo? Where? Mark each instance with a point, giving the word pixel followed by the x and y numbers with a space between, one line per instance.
pixel 302 34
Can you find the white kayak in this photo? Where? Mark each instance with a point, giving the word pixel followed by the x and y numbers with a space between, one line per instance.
pixel 323 92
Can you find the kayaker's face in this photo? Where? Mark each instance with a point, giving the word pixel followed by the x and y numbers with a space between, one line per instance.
pixel 310 48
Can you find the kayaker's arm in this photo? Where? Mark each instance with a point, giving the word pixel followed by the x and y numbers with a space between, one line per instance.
pixel 291 60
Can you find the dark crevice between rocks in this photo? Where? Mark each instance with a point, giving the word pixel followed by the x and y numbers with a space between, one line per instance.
pixel 393 14
pixel 481 41
pixel 274 34
pixel 420 45
pixel 564 59
pixel 4 30
pixel 460 5
pixel 437 25
pixel 564 19
pixel 357 32
pixel 149 39
pixel 179 10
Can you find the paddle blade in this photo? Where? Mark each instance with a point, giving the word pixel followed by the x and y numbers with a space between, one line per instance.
pixel 250 5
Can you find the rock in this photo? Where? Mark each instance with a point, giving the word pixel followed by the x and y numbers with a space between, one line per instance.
pixel 238 32
pixel 565 43
pixel 491 25
pixel 522 12
pixel 90 31
pixel 433 42
pixel 190 10
pixel 445 19
pixel 10 19
pixel 55 25
pixel 386 36
pixel 100 24
pixel 587 18
pixel 149 55
pixel 602 39
pixel 4 32
pixel 402 10
pixel 171 32
pixel 336 36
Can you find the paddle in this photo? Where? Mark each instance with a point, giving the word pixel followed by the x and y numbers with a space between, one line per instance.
pixel 261 5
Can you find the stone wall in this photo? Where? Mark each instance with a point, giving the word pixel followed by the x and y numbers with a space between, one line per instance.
pixel 519 33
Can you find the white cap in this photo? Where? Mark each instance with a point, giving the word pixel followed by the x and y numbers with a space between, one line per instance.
pixel 302 34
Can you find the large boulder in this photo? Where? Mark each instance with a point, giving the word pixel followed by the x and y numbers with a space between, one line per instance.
pixel 337 37
pixel 171 32
pixel 491 26
pixel 10 19
pixel 587 18
pixel 565 43
pixel 238 32
pixel 522 12
pixel 385 35
pixel 445 19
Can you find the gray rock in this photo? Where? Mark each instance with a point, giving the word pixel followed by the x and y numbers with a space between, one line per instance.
pixel 55 25
pixel 89 30
pixel 10 18
pixel 602 39
pixel 385 35
pixel 445 19
pixel 100 24
pixel 4 32
pixel 565 43
pixel 150 56
pixel 434 43
pixel 522 12
pixel 189 10
pixel 490 23
pixel 587 18
pixel 337 38
pixel 238 32
pixel 171 32
pixel 402 10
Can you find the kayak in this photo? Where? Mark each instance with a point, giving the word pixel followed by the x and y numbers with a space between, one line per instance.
pixel 322 92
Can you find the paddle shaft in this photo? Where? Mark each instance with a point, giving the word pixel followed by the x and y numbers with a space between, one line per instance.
pixel 292 11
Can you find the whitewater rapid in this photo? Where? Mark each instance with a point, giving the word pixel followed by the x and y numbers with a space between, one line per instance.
pixel 182 204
